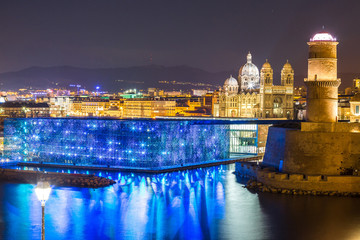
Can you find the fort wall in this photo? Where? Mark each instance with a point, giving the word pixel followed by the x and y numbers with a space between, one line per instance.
pixel 288 181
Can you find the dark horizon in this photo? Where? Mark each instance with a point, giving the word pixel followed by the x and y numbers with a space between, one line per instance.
pixel 208 35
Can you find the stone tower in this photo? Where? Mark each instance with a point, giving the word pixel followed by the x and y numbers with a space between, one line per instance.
pixel 266 74
pixel 322 146
pixel 287 75
pixel 322 82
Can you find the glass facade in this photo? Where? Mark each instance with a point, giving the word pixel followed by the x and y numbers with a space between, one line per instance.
pixel 124 143
pixel 243 138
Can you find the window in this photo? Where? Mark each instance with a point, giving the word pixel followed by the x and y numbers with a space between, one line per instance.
pixel 267 79
pixel 357 109
pixel 288 80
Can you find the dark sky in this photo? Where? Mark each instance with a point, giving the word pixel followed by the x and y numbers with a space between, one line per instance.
pixel 212 35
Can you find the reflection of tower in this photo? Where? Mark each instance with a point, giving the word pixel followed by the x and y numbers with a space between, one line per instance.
pixel 322 82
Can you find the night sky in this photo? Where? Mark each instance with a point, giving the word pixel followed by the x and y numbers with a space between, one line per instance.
pixel 212 35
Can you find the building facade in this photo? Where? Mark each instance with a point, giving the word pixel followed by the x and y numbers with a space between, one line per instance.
pixel 256 95
pixel 21 109
pixel 355 108
pixel 148 107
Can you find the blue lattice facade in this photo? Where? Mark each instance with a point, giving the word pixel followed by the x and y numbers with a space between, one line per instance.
pixel 128 143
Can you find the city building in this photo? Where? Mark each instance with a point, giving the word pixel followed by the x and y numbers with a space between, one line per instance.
pixel 75 108
pixel 344 107
pixel 116 107
pixel 60 106
pixel 355 108
pixel 131 93
pixel 148 107
pixel 24 109
pixel 127 143
pixel 256 95
pixel 199 92
pixel 94 107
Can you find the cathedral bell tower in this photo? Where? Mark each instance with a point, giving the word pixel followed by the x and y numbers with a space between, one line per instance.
pixel 322 82
pixel 287 75
pixel 266 74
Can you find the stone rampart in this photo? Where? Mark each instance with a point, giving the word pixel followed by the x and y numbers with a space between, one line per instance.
pixel 330 127
pixel 324 153
pixel 247 169
pixel 314 152
pixel 318 183
pixel 299 182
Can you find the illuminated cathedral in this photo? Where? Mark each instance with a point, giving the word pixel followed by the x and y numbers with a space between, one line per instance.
pixel 253 94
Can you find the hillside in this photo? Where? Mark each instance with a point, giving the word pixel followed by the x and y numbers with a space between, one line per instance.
pixel 139 77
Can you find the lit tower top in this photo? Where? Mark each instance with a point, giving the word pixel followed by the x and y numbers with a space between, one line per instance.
pixel 323 36
pixel 322 82
pixel 322 62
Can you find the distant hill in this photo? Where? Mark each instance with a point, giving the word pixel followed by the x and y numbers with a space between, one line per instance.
pixel 139 77
pixel 112 79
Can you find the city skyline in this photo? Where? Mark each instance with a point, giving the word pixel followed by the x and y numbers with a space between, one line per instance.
pixel 181 119
pixel 207 35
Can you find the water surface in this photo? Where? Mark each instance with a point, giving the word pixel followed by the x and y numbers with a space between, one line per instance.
pixel 208 203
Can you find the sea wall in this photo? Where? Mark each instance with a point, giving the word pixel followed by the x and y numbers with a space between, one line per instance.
pixel 248 170
pixel 275 181
pixel 319 183
pixel 314 152
pixel 324 153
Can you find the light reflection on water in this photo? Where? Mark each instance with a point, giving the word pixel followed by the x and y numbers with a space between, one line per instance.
pixel 208 203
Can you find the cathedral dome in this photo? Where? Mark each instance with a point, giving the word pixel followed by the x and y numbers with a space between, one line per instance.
pixel 267 64
pixel 287 65
pixel 249 75
pixel 249 69
pixel 231 82
pixel 231 86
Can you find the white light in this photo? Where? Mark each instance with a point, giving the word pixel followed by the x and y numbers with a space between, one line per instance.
pixel 42 191
pixel 323 37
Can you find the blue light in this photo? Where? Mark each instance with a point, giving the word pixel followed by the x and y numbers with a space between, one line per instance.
pixel 135 143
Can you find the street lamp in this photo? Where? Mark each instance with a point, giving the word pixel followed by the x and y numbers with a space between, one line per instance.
pixel 42 191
